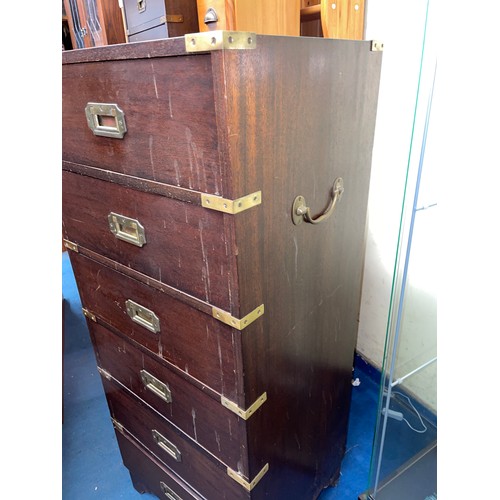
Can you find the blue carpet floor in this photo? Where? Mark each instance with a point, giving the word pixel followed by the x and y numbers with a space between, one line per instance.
pixel 92 466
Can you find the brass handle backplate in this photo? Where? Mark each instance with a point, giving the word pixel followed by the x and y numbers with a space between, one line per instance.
pixel 301 212
pixel 127 229
pixel 169 492
pixel 156 386
pixel 107 120
pixel 167 445
pixel 143 316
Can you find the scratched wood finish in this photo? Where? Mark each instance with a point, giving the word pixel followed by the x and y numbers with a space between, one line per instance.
pixel 171 134
pixel 185 246
pixel 291 115
pixel 200 470
pixel 317 98
pixel 204 419
pixel 183 329
pixel 147 472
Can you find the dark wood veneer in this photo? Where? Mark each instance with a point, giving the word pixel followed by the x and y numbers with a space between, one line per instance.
pixel 203 419
pixel 185 246
pixel 196 467
pixel 147 472
pixel 196 343
pixel 286 119
pixel 171 135
pixel 300 113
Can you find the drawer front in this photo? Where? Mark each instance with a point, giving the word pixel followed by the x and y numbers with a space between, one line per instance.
pixel 200 416
pixel 171 132
pixel 148 474
pixel 196 343
pixel 156 434
pixel 182 245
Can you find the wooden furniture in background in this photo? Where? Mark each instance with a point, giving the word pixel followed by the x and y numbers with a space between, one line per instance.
pixel 223 312
pixel 333 18
pixel 102 22
pixel 154 19
pixel 185 9
pixel 94 23
pixel 276 17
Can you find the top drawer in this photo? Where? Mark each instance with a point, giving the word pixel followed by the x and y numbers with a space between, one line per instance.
pixel 169 115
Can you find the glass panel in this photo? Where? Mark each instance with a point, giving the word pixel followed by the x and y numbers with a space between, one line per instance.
pixel 404 458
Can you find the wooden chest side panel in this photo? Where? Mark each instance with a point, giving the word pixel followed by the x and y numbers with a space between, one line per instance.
pixel 300 113
pixel 196 343
pixel 199 416
pixel 185 246
pixel 169 112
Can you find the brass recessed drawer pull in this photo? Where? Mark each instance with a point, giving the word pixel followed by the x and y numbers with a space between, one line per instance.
pixel 301 212
pixel 168 492
pixel 106 120
pixel 127 229
pixel 167 445
pixel 143 316
pixel 156 386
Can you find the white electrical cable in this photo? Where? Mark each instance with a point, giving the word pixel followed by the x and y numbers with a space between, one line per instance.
pixel 415 410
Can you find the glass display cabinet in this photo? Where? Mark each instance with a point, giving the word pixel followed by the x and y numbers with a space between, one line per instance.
pixel 404 457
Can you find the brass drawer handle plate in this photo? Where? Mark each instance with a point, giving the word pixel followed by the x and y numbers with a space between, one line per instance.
pixel 249 486
pixel 127 229
pixel 168 492
pixel 156 386
pixel 167 446
pixel 143 316
pixel 106 120
pixel 301 212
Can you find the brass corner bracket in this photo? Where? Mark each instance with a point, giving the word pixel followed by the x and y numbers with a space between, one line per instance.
pixel 239 324
pixel 104 373
pixel 89 314
pixel 119 427
pixel 70 245
pixel 207 41
pixel 244 414
pixel 249 486
pixel 220 204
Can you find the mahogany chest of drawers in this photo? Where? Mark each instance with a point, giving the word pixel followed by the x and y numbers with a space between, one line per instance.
pixel 214 204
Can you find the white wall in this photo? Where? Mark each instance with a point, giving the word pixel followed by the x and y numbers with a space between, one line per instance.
pixel 401 27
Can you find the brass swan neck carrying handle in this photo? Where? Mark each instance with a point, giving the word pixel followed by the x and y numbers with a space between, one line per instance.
pixel 301 212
